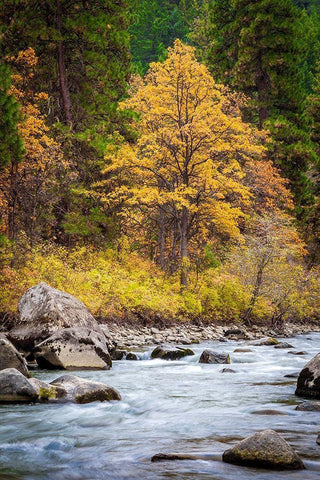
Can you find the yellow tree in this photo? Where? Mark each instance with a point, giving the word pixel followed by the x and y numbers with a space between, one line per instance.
pixel 185 169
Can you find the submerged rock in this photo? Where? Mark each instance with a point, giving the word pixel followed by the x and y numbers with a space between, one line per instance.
pixel 265 341
pixel 292 375
pixel 11 358
pixel 298 353
pixel 44 310
pixel 165 457
pixel 73 348
pixel 209 356
pixel 15 387
pixel 242 350
pixel 80 390
pixel 308 384
pixel 171 354
pixel 308 407
pixel 318 439
pixel 268 412
pixel 227 370
pixel 265 449
pixel 284 345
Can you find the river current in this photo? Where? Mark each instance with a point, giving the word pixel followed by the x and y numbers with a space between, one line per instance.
pixel 167 406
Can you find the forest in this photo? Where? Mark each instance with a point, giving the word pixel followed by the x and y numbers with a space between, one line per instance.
pixel 162 157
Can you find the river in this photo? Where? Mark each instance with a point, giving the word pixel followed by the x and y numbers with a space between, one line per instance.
pixel 167 406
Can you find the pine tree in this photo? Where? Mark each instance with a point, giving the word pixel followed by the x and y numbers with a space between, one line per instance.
pixel 272 45
pixel 83 51
pixel 157 24
pixel 10 142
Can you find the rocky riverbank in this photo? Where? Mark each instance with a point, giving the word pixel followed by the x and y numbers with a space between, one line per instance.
pixel 131 337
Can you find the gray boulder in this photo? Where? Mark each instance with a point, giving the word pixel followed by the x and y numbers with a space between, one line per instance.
pixel 308 384
pixel 171 354
pixel 11 358
pixel 47 392
pixel 15 387
pixel 73 348
pixel 209 356
pixel 266 449
pixel 44 310
pixel 80 390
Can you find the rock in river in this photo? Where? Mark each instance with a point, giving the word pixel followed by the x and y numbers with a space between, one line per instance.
pixel 308 407
pixel 209 356
pixel 44 310
pixel 15 387
pixel 47 392
pixel 308 384
pixel 80 390
pixel 11 358
pixel 171 354
pixel 265 449
pixel 284 345
pixel 264 341
pixel 74 348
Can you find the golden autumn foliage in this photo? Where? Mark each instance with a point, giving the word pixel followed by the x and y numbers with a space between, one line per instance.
pixel 184 174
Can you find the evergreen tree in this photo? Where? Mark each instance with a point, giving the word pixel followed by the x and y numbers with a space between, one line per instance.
pixel 157 24
pixel 83 51
pixel 271 45
pixel 214 35
pixel 10 142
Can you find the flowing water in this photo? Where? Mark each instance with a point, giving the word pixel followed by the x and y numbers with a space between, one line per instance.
pixel 167 406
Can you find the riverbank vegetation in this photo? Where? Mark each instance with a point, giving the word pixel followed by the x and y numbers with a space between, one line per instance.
pixel 162 156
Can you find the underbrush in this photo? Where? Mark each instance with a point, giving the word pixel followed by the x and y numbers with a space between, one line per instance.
pixel 110 285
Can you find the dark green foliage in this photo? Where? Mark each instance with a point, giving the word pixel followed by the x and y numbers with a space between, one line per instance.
pixel 214 35
pixel 10 142
pixel 157 24
pixel 85 42
pixel 271 48
pixel 292 150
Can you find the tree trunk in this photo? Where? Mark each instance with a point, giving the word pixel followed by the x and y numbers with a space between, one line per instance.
pixel 184 248
pixel 64 89
pixel 263 88
pixel 12 203
pixel 255 293
pixel 161 240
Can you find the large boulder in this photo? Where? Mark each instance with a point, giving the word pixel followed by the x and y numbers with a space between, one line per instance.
pixel 171 353
pixel 15 387
pixel 308 384
pixel 80 390
pixel 44 310
pixel 266 449
pixel 209 356
pixel 47 392
pixel 73 348
pixel 11 358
